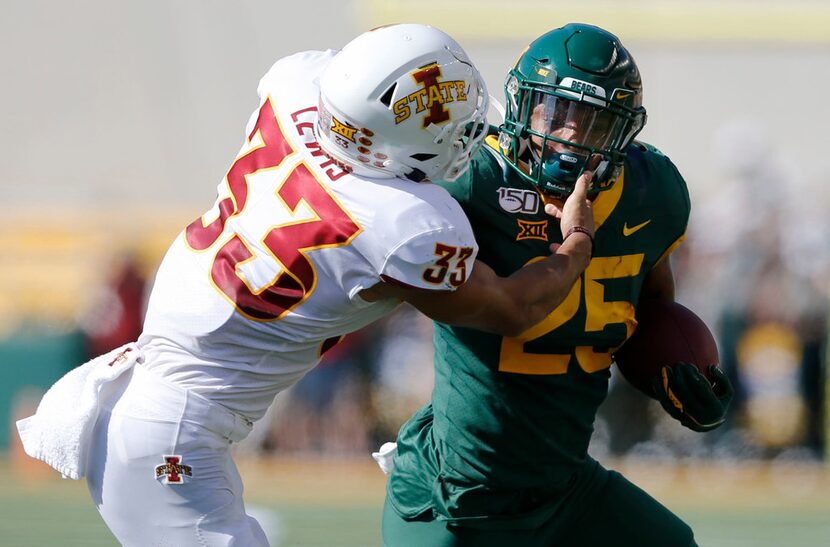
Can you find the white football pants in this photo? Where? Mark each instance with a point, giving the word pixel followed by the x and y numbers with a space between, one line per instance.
pixel 160 469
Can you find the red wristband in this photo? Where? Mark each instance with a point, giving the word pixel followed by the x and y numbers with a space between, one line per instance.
pixel 582 230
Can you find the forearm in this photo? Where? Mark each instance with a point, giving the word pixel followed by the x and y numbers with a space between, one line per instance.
pixel 511 305
pixel 539 288
pixel 502 305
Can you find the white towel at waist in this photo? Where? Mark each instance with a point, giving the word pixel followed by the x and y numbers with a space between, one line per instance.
pixel 60 430
pixel 385 457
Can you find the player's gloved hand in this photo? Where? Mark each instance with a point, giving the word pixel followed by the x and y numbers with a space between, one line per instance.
pixel 688 396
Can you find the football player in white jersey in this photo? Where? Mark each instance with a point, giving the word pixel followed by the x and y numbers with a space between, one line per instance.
pixel 324 223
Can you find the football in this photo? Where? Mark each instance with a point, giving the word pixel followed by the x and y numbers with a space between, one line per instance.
pixel 667 332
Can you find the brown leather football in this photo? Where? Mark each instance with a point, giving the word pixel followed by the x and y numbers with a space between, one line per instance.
pixel 667 332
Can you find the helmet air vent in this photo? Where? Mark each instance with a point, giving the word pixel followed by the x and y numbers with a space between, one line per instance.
pixel 422 156
pixel 416 175
pixel 386 98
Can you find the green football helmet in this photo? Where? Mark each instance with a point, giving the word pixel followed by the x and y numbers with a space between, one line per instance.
pixel 574 93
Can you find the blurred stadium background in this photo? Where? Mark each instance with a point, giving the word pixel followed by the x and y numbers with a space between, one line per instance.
pixel 119 119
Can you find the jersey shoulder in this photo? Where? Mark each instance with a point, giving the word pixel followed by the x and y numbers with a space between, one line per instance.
pixel 419 225
pixel 287 71
pixel 410 208
pixel 657 180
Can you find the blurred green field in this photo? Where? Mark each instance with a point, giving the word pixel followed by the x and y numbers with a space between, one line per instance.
pixel 315 502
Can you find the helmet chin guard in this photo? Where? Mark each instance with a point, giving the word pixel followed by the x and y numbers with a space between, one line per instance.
pixel 402 101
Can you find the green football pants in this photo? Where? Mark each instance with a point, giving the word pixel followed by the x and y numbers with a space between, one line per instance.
pixel 602 509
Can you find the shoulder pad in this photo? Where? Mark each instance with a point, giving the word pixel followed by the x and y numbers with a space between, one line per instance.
pixel 646 147
pixel 492 141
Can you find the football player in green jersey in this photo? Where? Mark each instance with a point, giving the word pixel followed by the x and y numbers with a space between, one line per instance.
pixel 500 455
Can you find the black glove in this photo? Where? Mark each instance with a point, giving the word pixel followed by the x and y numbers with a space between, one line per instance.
pixel 688 396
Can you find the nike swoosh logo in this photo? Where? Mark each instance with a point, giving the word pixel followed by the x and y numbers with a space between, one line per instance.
pixel 628 231
pixel 620 95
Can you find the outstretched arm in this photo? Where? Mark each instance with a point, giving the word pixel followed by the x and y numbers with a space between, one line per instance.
pixel 507 305
pixel 511 305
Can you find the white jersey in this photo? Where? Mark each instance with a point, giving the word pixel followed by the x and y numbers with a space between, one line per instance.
pixel 251 295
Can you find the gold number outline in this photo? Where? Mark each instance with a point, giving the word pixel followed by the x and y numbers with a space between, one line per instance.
pixel 589 290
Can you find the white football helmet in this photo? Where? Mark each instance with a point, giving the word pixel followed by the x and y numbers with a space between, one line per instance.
pixel 402 101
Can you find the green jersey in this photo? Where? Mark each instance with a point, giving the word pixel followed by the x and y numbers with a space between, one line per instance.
pixel 511 418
